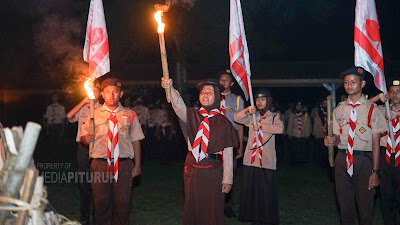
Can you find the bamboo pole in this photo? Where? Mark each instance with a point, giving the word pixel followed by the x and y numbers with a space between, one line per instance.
pixel 164 63
pixel 330 129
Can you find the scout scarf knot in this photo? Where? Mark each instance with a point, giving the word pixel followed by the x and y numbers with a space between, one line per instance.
pixel 200 143
pixel 389 147
pixel 257 144
pixel 350 142
pixel 223 103
pixel 113 143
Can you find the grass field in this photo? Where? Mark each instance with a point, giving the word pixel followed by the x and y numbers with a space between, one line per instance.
pixel 306 196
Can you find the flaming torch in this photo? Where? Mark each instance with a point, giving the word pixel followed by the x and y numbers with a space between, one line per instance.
pixel 89 90
pixel 163 51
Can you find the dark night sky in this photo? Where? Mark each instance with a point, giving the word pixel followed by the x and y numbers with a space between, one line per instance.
pixel 43 39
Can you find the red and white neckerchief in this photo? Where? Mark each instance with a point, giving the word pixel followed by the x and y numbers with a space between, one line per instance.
pixel 113 143
pixel 257 144
pixel 223 103
pixel 203 134
pixel 299 120
pixel 389 149
pixel 350 142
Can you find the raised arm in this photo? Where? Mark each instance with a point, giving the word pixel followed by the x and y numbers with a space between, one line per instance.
pixel 176 100
pixel 72 113
pixel 243 117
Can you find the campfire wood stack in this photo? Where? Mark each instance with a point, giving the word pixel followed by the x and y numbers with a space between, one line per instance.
pixel 21 188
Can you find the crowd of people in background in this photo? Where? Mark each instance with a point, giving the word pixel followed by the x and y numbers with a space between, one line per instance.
pixel 305 125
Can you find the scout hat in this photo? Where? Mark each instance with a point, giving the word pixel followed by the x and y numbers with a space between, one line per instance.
pixel 262 92
pixel 354 70
pixel 210 81
pixel 111 81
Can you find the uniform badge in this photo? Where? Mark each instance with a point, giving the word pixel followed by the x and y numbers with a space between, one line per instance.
pixel 362 130
pixel 123 129
pixel 231 109
pixel 83 114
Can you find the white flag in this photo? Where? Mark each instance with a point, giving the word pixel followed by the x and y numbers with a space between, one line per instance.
pixel 238 51
pixel 95 51
pixel 367 42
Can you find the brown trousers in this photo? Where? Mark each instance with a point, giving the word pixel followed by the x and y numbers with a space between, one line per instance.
pixel 353 195
pixel 111 199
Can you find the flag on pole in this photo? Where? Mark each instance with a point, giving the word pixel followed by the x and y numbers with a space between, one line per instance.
pixel 95 50
pixel 367 42
pixel 238 51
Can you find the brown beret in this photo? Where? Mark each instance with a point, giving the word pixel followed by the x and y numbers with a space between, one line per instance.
pixel 111 82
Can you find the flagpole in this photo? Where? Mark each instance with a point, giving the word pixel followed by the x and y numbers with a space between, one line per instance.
pixel 388 112
pixel 252 102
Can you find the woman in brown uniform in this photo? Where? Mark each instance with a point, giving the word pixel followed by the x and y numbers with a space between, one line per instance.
pixel 208 172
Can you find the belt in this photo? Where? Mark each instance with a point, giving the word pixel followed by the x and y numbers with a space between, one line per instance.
pixel 356 152
pixel 214 156
pixel 112 160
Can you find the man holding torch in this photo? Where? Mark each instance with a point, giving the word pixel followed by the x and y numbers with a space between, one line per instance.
pixel 116 155
pixel 357 126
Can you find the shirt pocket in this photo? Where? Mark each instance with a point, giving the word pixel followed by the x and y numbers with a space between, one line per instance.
pixel 101 125
pixel 123 125
pixel 363 131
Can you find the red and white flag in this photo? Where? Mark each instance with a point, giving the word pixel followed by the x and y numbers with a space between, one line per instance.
pixel 367 42
pixel 238 51
pixel 95 51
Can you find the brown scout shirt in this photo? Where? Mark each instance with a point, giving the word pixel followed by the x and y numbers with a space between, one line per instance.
pixel 318 130
pixel 181 111
pixel 125 136
pixel 292 127
pixel 268 128
pixel 363 134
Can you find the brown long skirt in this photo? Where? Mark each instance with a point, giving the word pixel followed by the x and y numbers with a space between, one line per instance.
pixel 204 201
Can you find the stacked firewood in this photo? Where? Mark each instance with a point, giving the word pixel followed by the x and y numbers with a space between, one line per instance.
pixel 22 191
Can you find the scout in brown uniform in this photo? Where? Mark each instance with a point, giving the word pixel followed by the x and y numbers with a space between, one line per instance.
pixel 113 168
pixel 259 197
pixel 357 125
pixel 319 131
pixel 208 170
pixel 390 158
pixel 79 114
pixel 55 115
pixel 299 131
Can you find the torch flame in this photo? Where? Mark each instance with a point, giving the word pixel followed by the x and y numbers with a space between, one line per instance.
pixel 88 89
pixel 161 25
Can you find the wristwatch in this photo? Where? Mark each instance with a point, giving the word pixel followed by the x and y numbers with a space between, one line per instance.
pixel 377 171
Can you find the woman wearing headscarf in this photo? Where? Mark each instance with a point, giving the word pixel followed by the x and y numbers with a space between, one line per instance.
pixel 259 200
pixel 208 171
